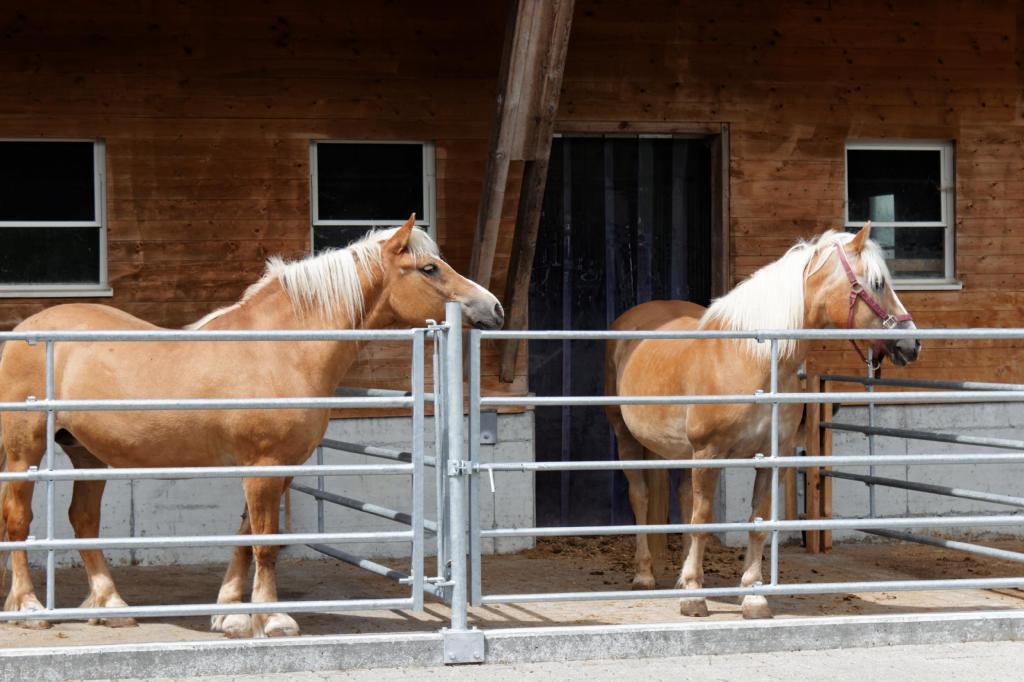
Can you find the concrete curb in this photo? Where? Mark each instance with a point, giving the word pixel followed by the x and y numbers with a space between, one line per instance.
pixel 522 645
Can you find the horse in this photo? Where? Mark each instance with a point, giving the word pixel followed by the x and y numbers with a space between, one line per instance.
pixel 817 284
pixel 390 278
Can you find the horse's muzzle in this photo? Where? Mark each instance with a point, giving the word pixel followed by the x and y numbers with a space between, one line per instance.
pixel 483 313
pixel 903 351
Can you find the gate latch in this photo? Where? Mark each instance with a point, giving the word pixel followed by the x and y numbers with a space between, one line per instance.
pixel 459 467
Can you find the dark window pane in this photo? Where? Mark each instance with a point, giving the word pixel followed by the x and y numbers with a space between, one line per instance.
pixel 912 252
pixel 894 185
pixel 369 181
pixel 49 255
pixel 336 237
pixel 47 181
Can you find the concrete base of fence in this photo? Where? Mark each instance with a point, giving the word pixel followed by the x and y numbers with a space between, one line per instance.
pixel 522 645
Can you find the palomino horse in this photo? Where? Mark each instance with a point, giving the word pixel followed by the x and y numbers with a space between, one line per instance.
pixel 390 278
pixel 815 285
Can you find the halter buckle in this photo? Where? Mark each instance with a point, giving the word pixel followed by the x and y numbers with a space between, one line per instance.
pixel 890 322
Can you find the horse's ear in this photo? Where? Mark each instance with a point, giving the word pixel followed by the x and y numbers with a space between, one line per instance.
pixel 861 238
pixel 399 241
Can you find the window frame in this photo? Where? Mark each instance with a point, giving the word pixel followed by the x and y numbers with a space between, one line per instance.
pixel 427 221
pixel 947 195
pixel 55 289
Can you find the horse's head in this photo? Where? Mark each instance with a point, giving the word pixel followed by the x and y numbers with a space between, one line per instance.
pixel 419 283
pixel 854 290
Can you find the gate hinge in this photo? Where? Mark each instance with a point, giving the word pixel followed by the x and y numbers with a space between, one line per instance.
pixel 463 646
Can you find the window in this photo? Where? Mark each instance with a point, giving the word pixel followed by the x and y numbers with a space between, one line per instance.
pixel 906 191
pixel 52 218
pixel 357 186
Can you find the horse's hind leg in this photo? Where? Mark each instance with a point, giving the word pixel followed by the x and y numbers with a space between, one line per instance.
pixel 692 576
pixel 756 606
pixel 18 517
pixel 631 449
pixel 84 514
pixel 263 497
pixel 22 452
pixel 232 589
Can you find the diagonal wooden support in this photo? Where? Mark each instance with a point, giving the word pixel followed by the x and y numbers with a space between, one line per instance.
pixel 529 86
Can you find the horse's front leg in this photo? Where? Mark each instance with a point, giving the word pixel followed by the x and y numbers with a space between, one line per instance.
pixel 263 497
pixel 756 606
pixel 692 577
pixel 232 589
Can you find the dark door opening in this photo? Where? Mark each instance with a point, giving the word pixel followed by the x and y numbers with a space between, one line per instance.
pixel 625 220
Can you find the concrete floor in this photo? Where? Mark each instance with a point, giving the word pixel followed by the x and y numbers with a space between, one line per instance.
pixel 990 661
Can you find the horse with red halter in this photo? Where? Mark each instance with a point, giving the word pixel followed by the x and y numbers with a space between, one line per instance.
pixel 391 278
pixel 836 280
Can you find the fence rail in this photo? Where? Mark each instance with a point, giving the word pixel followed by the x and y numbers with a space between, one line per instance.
pixel 459 474
pixel 936 393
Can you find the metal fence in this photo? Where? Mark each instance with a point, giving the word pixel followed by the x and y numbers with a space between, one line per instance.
pixel 459 473
pixel 409 464
pixel 954 392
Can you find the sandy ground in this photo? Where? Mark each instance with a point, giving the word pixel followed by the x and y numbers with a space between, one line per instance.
pixel 568 564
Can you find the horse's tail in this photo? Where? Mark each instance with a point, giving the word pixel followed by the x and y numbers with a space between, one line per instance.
pixel 657 510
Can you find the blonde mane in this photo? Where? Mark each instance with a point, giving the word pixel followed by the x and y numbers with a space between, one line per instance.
pixel 328 284
pixel 773 297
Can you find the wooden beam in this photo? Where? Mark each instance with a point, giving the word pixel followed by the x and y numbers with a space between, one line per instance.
pixel 520 267
pixel 536 146
pixel 529 85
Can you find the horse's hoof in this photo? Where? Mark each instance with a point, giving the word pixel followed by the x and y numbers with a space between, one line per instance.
pixel 233 625
pixel 755 607
pixel 28 605
pixel 32 624
pixel 643 582
pixel 696 608
pixel 114 622
pixel 281 625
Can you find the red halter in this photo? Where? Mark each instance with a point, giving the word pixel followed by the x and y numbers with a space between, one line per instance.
pixel 858 292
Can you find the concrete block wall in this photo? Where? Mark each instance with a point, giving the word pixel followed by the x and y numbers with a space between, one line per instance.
pixel 850 498
pixel 214 506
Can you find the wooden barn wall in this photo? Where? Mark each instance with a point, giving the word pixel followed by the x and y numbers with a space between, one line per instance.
pixel 794 81
pixel 208 110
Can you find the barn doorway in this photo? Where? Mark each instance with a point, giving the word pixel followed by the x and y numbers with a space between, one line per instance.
pixel 625 220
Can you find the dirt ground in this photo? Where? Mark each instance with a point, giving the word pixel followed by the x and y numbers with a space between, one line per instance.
pixel 563 564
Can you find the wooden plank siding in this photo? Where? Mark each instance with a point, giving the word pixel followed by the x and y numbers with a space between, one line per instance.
pixel 794 81
pixel 208 110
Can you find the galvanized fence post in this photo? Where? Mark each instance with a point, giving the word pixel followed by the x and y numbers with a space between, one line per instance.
pixel 774 455
pixel 872 495
pixel 441 459
pixel 461 645
pixel 475 499
pixel 418 418
pixel 50 437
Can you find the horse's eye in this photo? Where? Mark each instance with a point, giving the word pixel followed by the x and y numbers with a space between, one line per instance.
pixel 429 269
